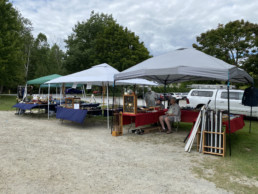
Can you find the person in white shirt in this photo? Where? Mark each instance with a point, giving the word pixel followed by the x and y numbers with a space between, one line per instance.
pixel 171 115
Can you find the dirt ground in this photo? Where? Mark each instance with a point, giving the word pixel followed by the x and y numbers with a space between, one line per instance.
pixel 46 156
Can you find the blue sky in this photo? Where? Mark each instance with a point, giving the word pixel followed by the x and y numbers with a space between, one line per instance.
pixel 163 25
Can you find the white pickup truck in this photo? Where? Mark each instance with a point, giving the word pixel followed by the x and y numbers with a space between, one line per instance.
pixel 196 98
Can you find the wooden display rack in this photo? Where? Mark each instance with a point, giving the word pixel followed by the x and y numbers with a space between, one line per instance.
pixel 118 124
pixel 223 148
pixel 130 104
pixel 70 102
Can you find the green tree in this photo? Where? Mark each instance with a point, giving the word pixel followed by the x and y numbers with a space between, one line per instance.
pixel 27 44
pixel 39 57
pixel 45 60
pixel 233 42
pixel 119 47
pixel 10 46
pixel 251 64
pixel 101 40
pixel 56 60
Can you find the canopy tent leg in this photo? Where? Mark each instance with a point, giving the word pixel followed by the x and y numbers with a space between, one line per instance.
pixel 39 90
pixel 102 96
pixel 60 94
pixel 165 90
pixel 83 92
pixel 113 105
pixel 229 128
pixel 48 101
pixel 107 108
pixel 143 102
pixel 251 114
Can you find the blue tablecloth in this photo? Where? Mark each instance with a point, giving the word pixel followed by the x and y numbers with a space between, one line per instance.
pixel 76 115
pixel 25 106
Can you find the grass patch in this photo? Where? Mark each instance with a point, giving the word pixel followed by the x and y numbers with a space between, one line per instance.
pixel 6 102
pixel 238 173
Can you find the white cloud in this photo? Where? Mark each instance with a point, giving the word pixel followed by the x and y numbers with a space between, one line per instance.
pixel 162 25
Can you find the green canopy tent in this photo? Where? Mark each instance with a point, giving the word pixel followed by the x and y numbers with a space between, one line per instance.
pixel 41 80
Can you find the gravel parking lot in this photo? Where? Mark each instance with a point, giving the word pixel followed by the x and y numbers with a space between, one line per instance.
pixel 46 156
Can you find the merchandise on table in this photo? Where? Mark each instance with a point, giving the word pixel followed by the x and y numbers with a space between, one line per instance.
pixel 73 103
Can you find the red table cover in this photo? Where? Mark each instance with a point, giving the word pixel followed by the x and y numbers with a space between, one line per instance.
pixel 189 116
pixel 235 124
pixel 186 116
pixel 142 118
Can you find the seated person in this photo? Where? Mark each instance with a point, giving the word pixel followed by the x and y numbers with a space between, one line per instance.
pixel 172 115
pixel 159 104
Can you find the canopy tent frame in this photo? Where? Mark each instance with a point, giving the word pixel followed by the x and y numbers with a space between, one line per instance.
pixel 87 76
pixel 187 65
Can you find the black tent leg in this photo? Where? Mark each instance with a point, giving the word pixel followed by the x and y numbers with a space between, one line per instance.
pixel 250 119
pixel 229 129
pixel 165 90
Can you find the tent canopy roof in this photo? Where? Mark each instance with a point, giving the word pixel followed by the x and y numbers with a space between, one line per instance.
pixel 68 85
pixel 97 75
pixel 42 80
pixel 184 65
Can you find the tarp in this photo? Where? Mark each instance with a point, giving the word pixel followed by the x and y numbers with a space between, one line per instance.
pixel 97 75
pixel 42 80
pixel 183 65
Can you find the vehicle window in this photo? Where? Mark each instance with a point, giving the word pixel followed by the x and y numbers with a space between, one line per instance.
pixel 194 93
pixel 232 95
pixel 202 93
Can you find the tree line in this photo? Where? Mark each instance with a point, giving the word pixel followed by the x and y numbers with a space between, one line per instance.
pixel 100 39
pixel 23 57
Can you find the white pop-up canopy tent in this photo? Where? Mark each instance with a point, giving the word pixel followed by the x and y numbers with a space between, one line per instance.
pixel 99 75
pixel 186 64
